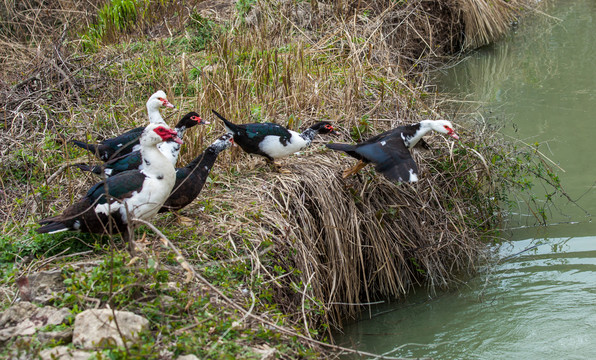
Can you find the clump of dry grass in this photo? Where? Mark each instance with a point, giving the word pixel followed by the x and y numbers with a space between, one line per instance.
pixel 484 21
pixel 356 240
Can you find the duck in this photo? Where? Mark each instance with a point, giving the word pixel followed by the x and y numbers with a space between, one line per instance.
pixel 129 141
pixel 109 205
pixel 134 160
pixel 273 141
pixel 191 178
pixel 390 151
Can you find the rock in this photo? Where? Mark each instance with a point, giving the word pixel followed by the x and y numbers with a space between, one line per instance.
pixel 65 336
pixel 41 287
pixel 96 328
pixel 187 357
pixel 64 353
pixel 266 352
pixel 24 318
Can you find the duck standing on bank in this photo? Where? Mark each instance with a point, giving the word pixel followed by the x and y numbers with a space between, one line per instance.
pixel 390 151
pixel 134 160
pixel 129 141
pixel 110 204
pixel 271 140
pixel 190 179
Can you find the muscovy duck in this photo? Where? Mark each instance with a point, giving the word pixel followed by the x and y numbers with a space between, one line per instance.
pixel 134 160
pixel 390 151
pixel 131 194
pixel 129 141
pixel 271 140
pixel 190 179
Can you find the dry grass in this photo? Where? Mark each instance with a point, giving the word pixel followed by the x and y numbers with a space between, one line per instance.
pixel 485 21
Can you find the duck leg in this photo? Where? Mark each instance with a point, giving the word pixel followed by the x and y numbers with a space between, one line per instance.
pixel 183 220
pixel 277 166
pixel 128 236
pixel 354 170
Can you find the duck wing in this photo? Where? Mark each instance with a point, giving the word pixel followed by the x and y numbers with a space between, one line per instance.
pixel 348 149
pixel 124 144
pixel 82 215
pixel 391 158
pixel 119 186
pixel 258 131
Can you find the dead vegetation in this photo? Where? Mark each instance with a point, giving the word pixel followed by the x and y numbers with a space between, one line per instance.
pixel 358 64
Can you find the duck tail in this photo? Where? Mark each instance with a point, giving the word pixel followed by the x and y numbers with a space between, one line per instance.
pixel 51 226
pixel 94 169
pixel 82 145
pixel 340 147
pixel 229 125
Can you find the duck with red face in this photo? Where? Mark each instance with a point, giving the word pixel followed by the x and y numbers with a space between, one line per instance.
pixel 390 151
pixel 110 204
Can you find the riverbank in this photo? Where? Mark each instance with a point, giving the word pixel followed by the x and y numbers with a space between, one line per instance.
pixel 264 263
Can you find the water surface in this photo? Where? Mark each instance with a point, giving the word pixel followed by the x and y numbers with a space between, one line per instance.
pixel 540 83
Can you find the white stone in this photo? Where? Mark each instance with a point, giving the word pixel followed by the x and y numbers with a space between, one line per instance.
pixel 187 357
pixel 24 319
pixel 96 328
pixel 64 353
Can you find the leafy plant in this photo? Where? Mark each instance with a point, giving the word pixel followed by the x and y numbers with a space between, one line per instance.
pixel 363 127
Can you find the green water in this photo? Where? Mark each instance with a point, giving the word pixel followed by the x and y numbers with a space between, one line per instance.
pixel 540 82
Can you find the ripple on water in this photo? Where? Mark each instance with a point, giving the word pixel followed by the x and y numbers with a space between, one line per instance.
pixel 537 305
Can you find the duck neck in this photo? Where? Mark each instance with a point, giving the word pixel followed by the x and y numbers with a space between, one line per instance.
pixel 414 133
pixel 155 116
pixel 308 135
pixel 180 130
pixel 154 162
pixel 171 149
pixel 205 160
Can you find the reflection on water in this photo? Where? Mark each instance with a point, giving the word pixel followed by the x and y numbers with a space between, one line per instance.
pixel 540 302
pixel 541 84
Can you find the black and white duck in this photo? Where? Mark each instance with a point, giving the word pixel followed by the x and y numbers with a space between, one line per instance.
pixel 134 160
pixel 129 141
pixel 132 194
pixel 390 151
pixel 191 178
pixel 271 140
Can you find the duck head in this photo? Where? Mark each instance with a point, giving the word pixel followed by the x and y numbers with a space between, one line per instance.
pixel 157 100
pixel 156 133
pixel 191 119
pixel 223 142
pixel 324 127
pixel 442 126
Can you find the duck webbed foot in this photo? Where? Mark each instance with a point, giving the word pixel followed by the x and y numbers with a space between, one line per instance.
pixel 277 166
pixel 353 170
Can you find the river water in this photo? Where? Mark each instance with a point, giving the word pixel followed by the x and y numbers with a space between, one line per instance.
pixel 540 83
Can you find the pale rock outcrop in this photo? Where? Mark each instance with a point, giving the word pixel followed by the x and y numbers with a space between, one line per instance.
pixel 98 328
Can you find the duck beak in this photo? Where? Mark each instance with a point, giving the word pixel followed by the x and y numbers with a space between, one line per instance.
pixel 178 140
pixel 453 135
pixel 174 137
pixel 204 122
pixel 168 104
